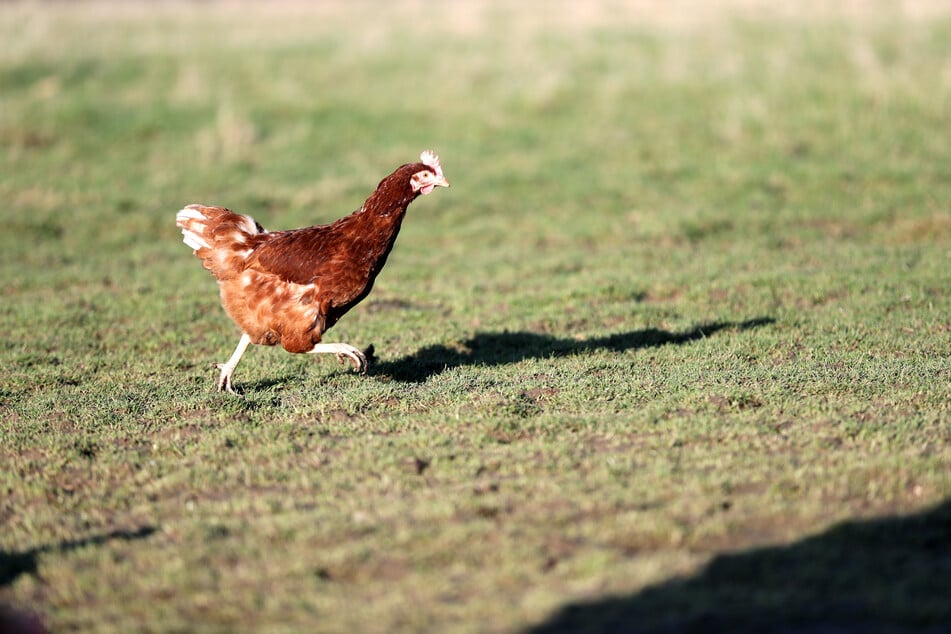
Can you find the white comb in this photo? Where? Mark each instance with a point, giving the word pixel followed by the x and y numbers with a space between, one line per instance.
pixel 429 159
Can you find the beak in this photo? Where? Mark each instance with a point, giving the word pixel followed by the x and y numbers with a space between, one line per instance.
pixel 441 182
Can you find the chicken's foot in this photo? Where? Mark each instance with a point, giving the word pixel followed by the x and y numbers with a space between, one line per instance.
pixel 227 368
pixel 344 353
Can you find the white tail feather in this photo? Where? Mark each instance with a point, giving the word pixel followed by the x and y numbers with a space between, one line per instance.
pixel 189 219
pixel 193 241
pixel 189 213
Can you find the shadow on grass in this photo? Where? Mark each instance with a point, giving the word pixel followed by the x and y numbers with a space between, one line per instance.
pixel 14 564
pixel 883 576
pixel 498 348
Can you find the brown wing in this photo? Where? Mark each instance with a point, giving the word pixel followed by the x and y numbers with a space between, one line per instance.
pixel 341 261
pixel 295 256
pixel 336 258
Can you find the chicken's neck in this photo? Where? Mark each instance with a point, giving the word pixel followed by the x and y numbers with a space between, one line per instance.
pixel 391 198
pixel 373 229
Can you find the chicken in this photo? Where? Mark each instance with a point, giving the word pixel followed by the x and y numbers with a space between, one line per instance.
pixel 290 287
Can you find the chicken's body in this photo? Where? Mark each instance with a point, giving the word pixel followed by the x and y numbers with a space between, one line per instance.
pixel 289 287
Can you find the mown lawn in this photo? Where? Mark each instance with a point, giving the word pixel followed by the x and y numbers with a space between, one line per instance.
pixel 673 353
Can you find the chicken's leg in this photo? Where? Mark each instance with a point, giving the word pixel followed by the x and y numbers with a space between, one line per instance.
pixel 227 369
pixel 343 351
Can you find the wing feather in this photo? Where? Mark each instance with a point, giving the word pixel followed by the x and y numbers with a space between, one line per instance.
pixel 297 256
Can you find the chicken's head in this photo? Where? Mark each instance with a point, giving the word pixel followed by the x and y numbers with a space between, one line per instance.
pixel 430 177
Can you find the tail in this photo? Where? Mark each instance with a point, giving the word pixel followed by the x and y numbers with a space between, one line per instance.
pixel 221 238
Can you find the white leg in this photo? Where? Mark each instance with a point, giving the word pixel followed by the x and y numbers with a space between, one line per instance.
pixel 343 351
pixel 227 369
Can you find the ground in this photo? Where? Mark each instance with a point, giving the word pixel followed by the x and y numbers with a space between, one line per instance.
pixel 672 354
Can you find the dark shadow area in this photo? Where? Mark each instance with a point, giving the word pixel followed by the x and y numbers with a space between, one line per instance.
pixel 268 383
pixel 497 348
pixel 883 576
pixel 256 395
pixel 14 564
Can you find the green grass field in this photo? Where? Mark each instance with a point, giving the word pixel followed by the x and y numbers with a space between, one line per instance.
pixel 672 354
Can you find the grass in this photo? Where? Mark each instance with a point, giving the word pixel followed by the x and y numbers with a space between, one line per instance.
pixel 672 353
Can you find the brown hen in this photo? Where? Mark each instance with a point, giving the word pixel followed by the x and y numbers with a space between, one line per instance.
pixel 289 287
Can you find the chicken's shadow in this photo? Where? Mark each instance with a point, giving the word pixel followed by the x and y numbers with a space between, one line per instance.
pixel 499 348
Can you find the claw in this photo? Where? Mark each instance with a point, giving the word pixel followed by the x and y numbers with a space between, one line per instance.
pixel 358 360
pixel 355 357
pixel 227 369
pixel 343 352
pixel 224 379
